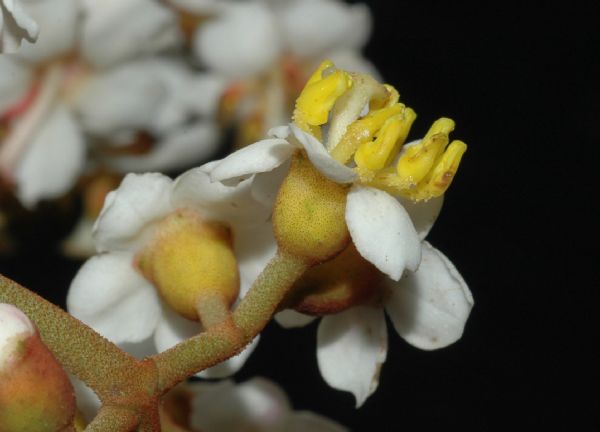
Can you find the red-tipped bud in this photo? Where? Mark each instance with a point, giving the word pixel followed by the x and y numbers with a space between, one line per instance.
pixel 35 393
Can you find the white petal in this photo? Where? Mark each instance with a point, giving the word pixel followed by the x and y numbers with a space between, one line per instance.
pixel 289 318
pixel 80 242
pixel 423 214
pixel 203 93
pixel 111 297
pixel 301 421
pixel 265 186
pixel 198 7
pixel 116 30
pixel 186 146
pixel 351 347
pixel 138 95
pixel 87 401
pixel 140 200
pixel 311 28
pixel 382 231
pixel 15 328
pixel 15 25
pixel 141 349
pixel 217 201
pixel 279 132
pixel 257 404
pixel 254 248
pixel 53 160
pixel 173 329
pixel 57 20
pixel 259 157
pixel 241 42
pixel 318 155
pixel 232 365
pixel 429 308
pixel 15 80
pixel 353 61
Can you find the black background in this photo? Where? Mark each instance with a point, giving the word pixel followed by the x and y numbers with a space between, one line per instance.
pixel 518 222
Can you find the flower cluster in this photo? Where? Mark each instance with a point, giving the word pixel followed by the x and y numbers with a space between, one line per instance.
pixel 326 218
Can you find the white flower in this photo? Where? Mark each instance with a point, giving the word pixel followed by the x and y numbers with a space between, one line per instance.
pixel 111 295
pixel 380 226
pixel 50 100
pixel 428 308
pixel 266 50
pixel 258 404
pixel 15 25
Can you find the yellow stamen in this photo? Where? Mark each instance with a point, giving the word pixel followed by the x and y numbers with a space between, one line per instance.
pixel 441 176
pixel 362 131
pixel 418 160
pixel 377 154
pixel 323 88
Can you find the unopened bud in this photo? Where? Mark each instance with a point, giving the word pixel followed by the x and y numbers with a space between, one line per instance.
pixel 35 393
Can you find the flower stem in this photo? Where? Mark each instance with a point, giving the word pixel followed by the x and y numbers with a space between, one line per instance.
pixel 113 419
pixel 82 351
pixel 250 317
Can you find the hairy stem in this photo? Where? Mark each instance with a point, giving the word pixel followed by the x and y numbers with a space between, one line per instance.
pixel 82 351
pixel 113 419
pixel 221 342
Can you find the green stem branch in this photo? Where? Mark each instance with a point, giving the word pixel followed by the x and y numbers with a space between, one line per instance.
pixel 82 351
pixel 250 317
pixel 113 419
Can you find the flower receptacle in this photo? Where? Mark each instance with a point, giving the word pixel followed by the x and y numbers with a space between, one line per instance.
pixel 308 218
pixel 191 259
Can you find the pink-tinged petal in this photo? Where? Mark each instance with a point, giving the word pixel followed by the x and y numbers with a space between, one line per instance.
pixel 312 28
pixel 117 30
pixel 15 25
pixel 232 365
pixel 217 201
pixel 255 405
pixel 429 308
pixel 351 348
pixel 15 82
pixel 289 318
pixel 322 161
pixel 301 421
pixel 14 327
pixel 263 156
pixel 111 297
pixel 53 160
pixel 423 213
pixel 140 200
pixel 382 231
pixel 172 329
pixel 242 41
pixel 254 247
pixel 57 21
pixel 186 146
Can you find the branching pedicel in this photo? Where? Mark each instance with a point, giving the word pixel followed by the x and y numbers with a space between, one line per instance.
pixel 354 200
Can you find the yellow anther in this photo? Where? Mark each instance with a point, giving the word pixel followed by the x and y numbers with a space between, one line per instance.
pixel 377 154
pixel 392 98
pixel 418 160
pixel 323 88
pixel 363 130
pixel 440 178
